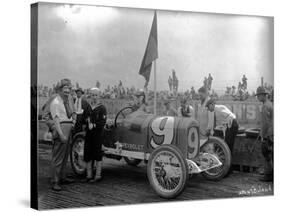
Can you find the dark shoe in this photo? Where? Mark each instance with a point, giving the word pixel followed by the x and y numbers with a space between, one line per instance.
pixel 86 180
pixel 70 176
pixel 56 187
pixel 96 179
pixel 266 178
pixel 67 180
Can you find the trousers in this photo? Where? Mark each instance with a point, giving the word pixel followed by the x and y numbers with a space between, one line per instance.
pixel 267 152
pixel 230 134
pixel 60 153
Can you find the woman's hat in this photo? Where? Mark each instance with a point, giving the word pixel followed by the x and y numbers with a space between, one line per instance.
pixel 94 90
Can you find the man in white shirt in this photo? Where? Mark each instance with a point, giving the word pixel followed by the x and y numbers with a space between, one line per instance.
pixel 80 106
pixel 61 110
pixel 225 118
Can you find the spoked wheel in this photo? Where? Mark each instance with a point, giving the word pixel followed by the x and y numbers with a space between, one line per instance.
pixel 167 171
pixel 220 149
pixel 76 156
pixel 132 161
pixel 122 114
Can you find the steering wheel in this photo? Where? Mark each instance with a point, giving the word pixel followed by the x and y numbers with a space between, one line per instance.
pixel 122 114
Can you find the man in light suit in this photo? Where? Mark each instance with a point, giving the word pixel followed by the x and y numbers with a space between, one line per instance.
pixel 80 105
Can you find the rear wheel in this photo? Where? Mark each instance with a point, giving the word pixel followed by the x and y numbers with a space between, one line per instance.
pixel 132 161
pixel 77 156
pixel 220 149
pixel 167 171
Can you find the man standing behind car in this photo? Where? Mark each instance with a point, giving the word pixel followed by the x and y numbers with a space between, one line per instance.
pixel 204 116
pixel 266 133
pixel 61 113
pixel 80 106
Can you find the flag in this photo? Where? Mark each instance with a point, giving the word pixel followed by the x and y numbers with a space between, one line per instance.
pixel 151 52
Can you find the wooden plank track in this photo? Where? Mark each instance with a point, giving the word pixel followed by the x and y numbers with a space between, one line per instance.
pixel 123 184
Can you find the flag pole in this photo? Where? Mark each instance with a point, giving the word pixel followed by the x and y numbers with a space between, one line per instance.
pixel 155 87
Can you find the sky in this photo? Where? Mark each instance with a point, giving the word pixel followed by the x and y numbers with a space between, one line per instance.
pixel 90 43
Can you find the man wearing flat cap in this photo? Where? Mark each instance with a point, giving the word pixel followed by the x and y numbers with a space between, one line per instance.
pixel 266 133
pixel 80 105
pixel 61 109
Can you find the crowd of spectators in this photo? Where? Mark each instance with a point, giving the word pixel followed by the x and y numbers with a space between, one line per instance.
pixel 119 91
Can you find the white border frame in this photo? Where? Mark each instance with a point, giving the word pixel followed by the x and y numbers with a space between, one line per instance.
pixel 15 81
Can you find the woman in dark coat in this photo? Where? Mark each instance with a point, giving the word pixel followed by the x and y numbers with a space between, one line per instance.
pixel 96 119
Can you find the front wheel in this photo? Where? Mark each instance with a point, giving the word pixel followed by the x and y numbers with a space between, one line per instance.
pixel 77 155
pixel 167 171
pixel 216 146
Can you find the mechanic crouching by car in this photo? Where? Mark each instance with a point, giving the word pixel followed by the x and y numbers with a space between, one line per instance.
pixel 225 118
pixel 96 119
pixel 266 133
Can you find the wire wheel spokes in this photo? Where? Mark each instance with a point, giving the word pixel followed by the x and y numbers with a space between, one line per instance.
pixel 168 183
pixel 77 153
pixel 167 171
pixel 216 150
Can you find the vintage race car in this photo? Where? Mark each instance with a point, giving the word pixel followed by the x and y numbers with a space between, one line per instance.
pixel 170 146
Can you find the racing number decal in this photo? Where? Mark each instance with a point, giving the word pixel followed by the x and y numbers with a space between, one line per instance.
pixel 193 142
pixel 163 129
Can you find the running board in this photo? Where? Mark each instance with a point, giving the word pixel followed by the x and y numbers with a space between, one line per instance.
pixel 126 153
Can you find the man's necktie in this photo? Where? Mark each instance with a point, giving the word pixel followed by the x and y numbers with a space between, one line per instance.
pixel 215 120
pixel 67 108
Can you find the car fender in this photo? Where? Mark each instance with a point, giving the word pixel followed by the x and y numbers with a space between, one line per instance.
pixel 82 134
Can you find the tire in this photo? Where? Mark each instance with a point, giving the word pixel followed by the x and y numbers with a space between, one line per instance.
pixel 76 155
pixel 167 173
pixel 223 153
pixel 132 161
